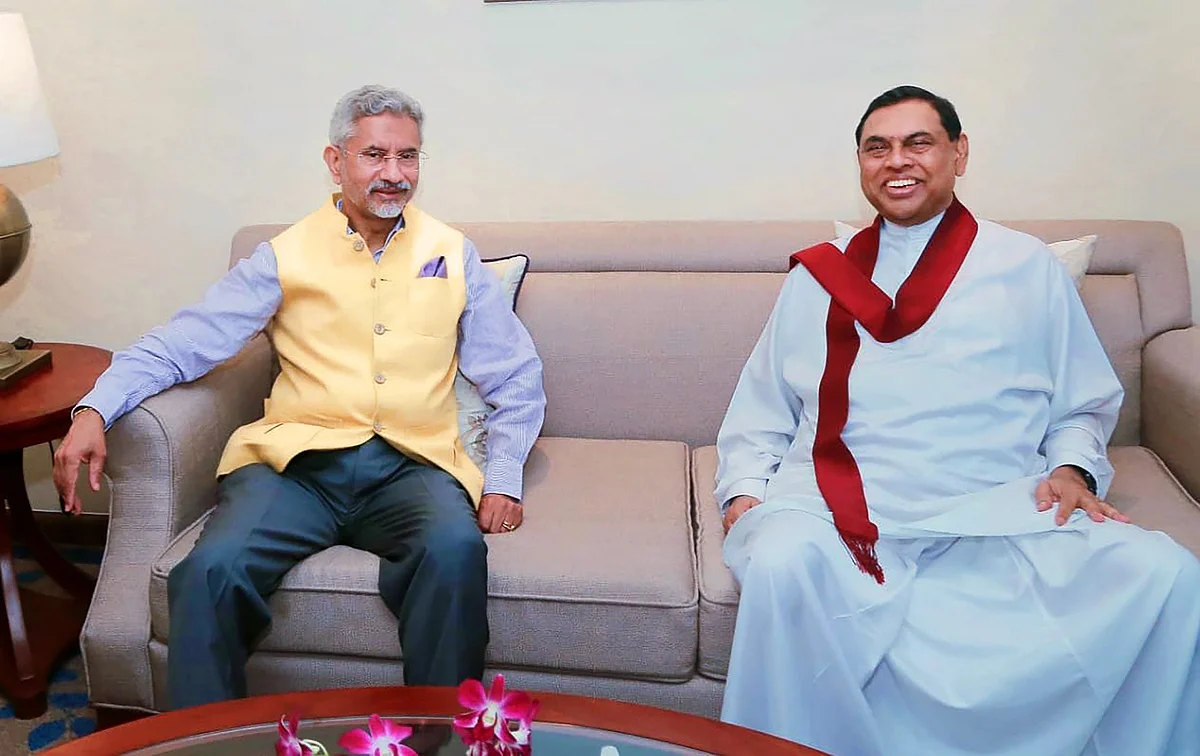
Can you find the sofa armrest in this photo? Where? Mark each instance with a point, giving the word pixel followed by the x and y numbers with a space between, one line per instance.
pixel 1171 403
pixel 162 459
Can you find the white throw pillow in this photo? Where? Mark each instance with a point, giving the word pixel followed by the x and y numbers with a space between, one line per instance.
pixel 473 411
pixel 1075 254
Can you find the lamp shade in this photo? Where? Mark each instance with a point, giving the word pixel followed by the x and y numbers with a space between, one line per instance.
pixel 26 134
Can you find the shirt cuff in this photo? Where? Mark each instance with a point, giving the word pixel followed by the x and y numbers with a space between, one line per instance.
pixel 1075 446
pixel 106 406
pixel 755 487
pixel 504 476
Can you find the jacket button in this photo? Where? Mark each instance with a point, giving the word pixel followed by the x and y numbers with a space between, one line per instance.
pixel 377 427
pixel 380 328
pixel 372 283
pixel 358 245
pixel 380 378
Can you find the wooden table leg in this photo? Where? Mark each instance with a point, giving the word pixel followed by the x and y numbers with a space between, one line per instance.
pixel 73 580
pixel 37 629
pixel 22 656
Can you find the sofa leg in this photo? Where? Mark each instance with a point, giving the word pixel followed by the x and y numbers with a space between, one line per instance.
pixel 107 717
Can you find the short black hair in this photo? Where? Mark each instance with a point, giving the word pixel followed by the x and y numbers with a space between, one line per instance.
pixel 945 109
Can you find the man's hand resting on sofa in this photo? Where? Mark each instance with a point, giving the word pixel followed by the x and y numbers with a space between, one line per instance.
pixel 739 506
pixel 84 444
pixel 499 513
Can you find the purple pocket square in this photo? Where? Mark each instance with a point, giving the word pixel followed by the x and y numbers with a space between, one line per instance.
pixel 435 268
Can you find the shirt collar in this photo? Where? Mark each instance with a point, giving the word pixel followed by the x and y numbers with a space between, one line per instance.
pixel 909 235
pixel 395 229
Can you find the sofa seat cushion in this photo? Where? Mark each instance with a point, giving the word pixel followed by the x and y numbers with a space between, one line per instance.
pixel 1142 488
pixel 600 578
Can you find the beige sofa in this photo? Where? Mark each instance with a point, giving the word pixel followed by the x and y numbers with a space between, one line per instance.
pixel 614 587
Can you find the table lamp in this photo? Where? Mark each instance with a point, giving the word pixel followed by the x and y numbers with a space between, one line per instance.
pixel 26 136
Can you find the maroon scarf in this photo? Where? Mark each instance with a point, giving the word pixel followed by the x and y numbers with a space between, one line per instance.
pixel 854 297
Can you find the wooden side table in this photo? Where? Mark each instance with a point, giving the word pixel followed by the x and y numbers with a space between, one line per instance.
pixel 36 629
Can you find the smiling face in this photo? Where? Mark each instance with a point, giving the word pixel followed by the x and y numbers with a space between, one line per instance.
pixel 907 162
pixel 375 187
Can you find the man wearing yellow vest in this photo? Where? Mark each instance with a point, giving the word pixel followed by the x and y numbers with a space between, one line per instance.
pixel 372 307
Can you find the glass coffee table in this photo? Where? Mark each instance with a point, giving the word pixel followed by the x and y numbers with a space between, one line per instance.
pixel 430 736
pixel 565 726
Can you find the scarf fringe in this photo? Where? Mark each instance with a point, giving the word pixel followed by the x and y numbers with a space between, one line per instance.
pixel 863 551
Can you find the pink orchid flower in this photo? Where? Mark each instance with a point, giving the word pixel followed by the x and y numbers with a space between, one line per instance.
pixel 489 711
pixel 494 747
pixel 484 748
pixel 480 741
pixel 521 725
pixel 289 743
pixel 384 739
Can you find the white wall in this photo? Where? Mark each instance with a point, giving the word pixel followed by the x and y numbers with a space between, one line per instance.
pixel 180 122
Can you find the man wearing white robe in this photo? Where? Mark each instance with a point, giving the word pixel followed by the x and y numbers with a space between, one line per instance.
pixel 989 602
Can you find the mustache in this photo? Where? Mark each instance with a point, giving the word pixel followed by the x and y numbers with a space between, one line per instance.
pixel 393 186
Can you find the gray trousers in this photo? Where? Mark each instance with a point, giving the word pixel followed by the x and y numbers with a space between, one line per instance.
pixel 415 517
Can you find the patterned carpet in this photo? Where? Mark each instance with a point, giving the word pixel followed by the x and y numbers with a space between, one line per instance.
pixel 68 715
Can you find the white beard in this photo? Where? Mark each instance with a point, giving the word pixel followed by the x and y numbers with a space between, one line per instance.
pixel 388 209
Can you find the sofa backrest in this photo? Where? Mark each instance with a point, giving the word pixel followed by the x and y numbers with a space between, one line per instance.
pixel 643 327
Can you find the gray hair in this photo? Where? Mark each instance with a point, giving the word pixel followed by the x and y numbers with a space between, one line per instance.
pixel 371 100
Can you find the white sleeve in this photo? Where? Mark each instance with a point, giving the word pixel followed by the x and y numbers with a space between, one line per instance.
pixel 1086 395
pixel 762 418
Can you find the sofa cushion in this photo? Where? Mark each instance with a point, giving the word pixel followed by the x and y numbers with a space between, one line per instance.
pixel 643 355
pixel 1143 488
pixel 599 579
pixel 718 591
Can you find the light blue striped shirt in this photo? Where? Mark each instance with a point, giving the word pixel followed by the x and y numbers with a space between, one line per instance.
pixel 495 353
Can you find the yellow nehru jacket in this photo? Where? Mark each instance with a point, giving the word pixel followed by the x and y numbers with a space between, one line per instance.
pixel 363 348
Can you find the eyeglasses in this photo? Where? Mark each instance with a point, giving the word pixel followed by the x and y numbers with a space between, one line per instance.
pixel 375 159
